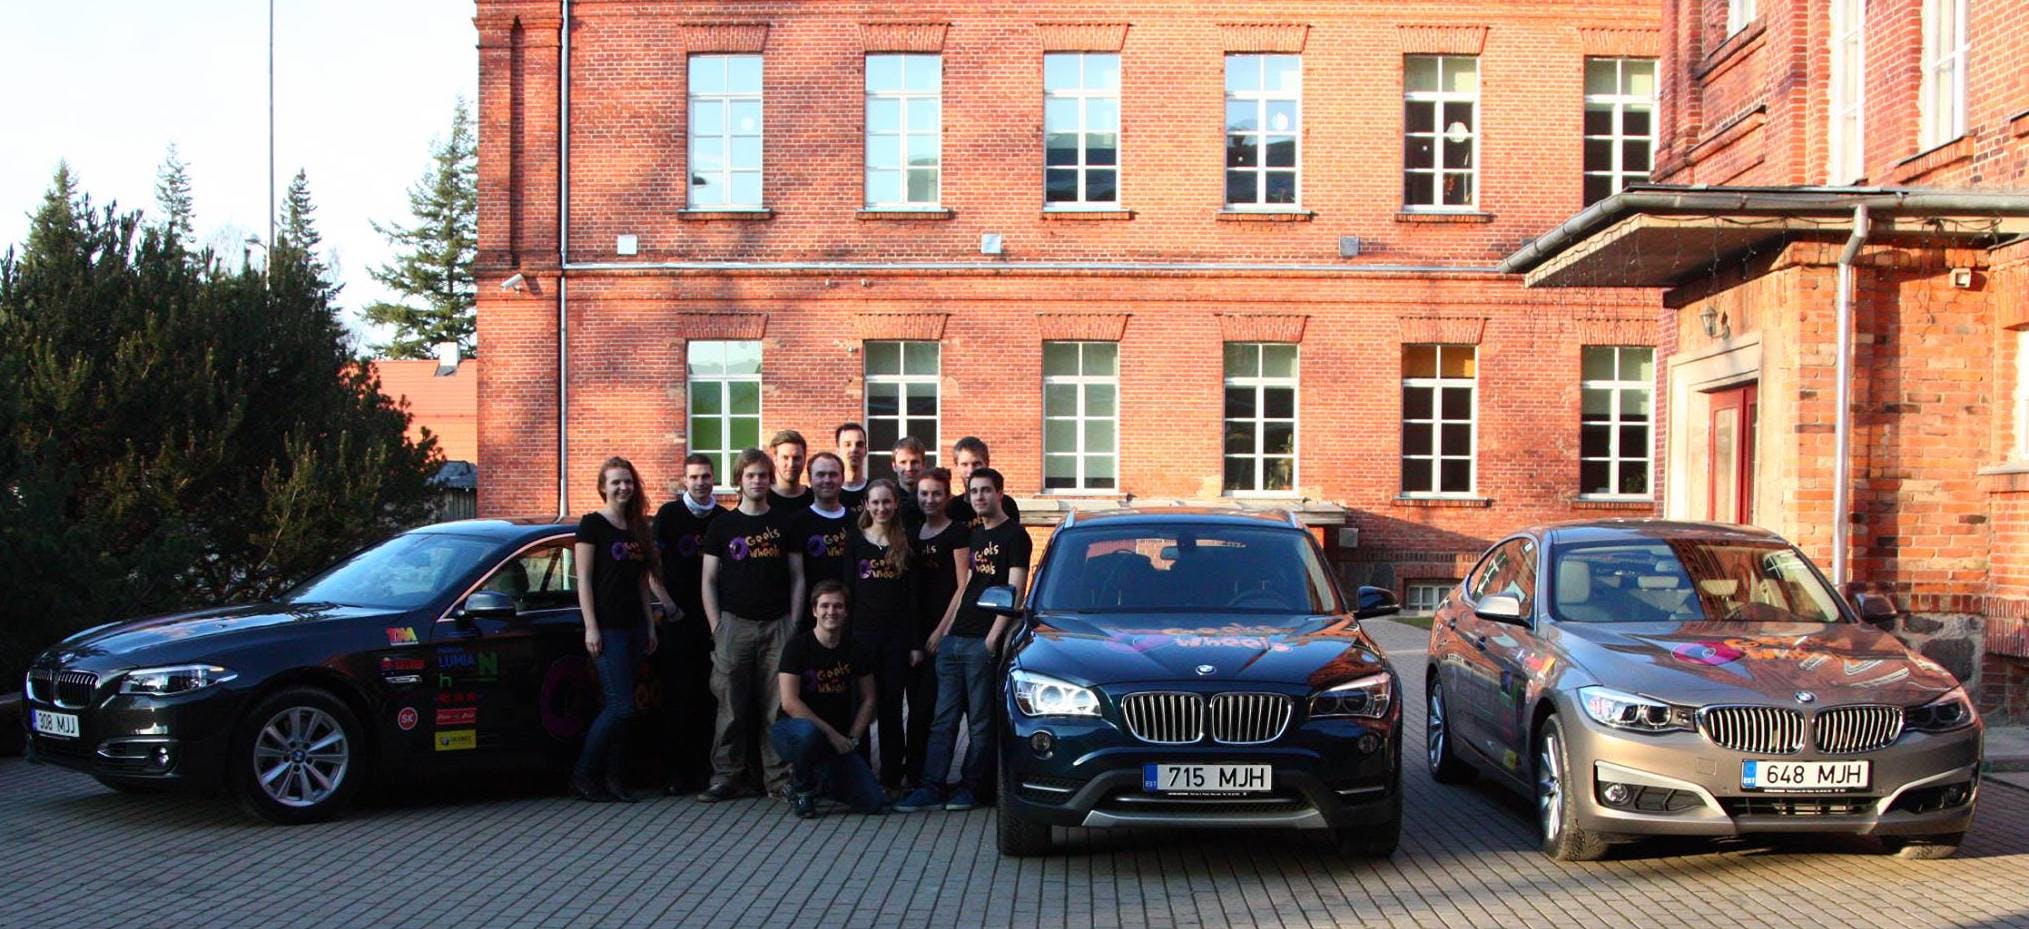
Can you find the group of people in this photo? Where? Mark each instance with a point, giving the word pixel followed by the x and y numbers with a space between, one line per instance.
pixel 815 613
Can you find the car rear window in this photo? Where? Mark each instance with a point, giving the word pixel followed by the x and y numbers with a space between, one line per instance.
pixel 1185 569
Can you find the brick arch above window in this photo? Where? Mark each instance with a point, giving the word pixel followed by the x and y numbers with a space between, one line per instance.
pixel 724 38
pixel 903 37
pixel 1443 330
pixel 1605 330
pixel 900 327
pixel 1621 43
pixel 1261 327
pixel 1081 327
pixel 721 327
pixel 1082 37
pixel 1284 38
pixel 1442 40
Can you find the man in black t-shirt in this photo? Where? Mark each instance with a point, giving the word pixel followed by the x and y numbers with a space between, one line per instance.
pixel 852 449
pixel 819 531
pixel 908 461
pixel 967 649
pixel 752 585
pixel 827 694
pixel 970 455
pixel 686 654
pixel 789 493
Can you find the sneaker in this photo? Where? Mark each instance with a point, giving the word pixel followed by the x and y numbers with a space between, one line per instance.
pixel 784 793
pixel 589 790
pixel 723 790
pixel 922 798
pixel 961 800
pixel 805 805
pixel 618 790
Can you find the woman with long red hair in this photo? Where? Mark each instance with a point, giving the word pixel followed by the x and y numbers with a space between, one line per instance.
pixel 616 569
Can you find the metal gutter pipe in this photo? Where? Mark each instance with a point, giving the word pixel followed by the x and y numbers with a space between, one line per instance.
pixel 563 264
pixel 1842 430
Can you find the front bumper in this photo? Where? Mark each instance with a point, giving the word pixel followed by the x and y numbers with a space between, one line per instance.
pixel 1322 778
pixel 1911 787
pixel 179 740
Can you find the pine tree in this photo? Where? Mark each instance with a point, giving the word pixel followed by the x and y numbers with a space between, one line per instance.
pixel 433 268
pixel 297 238
pixel 172 194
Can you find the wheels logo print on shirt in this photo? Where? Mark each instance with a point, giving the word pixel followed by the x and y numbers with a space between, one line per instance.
pixel 625 551
pixel 687 545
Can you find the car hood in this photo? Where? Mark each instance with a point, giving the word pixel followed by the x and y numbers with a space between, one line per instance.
pixel 1717 662
pixel 189 636
pixel 1318 652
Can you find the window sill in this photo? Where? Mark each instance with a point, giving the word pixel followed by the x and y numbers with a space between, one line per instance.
pixel 1613 503
pixel 1087 215
pixel 1730 49
pixel 928 215
pixel 1443 216
pixel 2009 477
pixel 1265 216
pixel 2018 124
pixel 1261 495
pixel 1433 500
pixel 1938 156
pixel 712 216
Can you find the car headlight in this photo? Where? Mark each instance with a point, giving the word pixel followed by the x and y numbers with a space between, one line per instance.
pixel 1623 710
pixel 1946 713
pixel 178 679
pixel 1367 697
pixel 1039 695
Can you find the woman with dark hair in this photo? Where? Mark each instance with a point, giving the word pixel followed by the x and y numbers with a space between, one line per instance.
pixel 943 555
pixel 615 565
pixel 827 695
pixel 884 614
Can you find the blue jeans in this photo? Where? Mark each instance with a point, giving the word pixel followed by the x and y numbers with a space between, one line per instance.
pixel 816 767
pixel 964 685
pixel 605 750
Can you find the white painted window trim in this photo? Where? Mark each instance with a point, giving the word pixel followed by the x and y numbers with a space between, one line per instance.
pixel 1084 97
pixel 1617 172
pixel 1739 13
pixel 901 135
pixel 902 381
pixel 1942 98
pixel 1081 453
pixel 1437 422
pixel 1260 421
pixel 723 459
pixel 1261 98
pixel 1431 593
pixel 1443 99
pixel 1615 455
pixel 1846 135
pixel 724 100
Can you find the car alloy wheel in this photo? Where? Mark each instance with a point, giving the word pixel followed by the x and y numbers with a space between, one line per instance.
pixel 301 756
pixel 1550 785
pixel 1433 729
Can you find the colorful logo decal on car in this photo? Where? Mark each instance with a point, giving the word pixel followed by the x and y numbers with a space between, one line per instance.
pixel 1707 653
pixel 406 719
pixel 458 716
pixel 449 659
pixel 400 665
pixel 570 698
pixel 401 635
pixel 457 740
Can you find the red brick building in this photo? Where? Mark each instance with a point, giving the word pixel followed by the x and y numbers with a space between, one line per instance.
pixel 1890 137
pixel 1240 252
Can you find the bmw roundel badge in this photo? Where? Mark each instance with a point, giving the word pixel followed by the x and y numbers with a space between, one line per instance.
pixel 1205 669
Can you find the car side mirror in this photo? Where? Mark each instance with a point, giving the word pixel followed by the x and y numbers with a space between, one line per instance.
pixel 1501 608
pixel 1376 601
pixel 488 604
pixel 1000 599
pixel 1876 610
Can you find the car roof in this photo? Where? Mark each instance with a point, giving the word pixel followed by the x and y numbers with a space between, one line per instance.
pixel 1192 515
pixel 1629 530
pixel 506 529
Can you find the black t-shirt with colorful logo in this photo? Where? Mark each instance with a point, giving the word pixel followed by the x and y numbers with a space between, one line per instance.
pixel 883 598
pixel 821 540
pixel 617 563
pixel 936 578
pixel 679 539
pixel 753 563
pixel 995 552
pixel 829 676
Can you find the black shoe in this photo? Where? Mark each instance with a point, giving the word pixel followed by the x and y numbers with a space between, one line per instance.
pixel 618 791
pixel 805 805
pixel 683 785
pixel 723 790
pixel 589 790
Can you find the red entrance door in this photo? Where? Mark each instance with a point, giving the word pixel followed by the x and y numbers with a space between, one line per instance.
pixel 1730 478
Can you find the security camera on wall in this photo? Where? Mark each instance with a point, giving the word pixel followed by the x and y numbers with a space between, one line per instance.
pixel 514 284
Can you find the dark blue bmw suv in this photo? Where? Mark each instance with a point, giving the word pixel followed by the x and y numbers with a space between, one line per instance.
pixel 1198 668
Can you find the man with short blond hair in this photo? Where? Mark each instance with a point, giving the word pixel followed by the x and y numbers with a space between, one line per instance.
pixel 790 452
pixel 851 438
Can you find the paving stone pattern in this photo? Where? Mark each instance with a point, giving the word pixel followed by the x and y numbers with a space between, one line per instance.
pixel 74 854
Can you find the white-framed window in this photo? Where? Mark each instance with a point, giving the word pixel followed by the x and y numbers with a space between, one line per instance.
pixel 1620 124
pixel 1942 104
pixel 1081 416
pixel 1738 14
pixel 1081 130
pixel 1423 597
pixel 1261 385
pixel 2022 395
pixel 905 135
pixel 1264 129
pixel 1617 411
pixel 1440 123
pixel 725 132
pixel 1846 154
pixel 902 399
pixel 1440 405
pixel 724 381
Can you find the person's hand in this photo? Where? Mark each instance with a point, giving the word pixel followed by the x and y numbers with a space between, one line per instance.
pixel 841 744
pixel 992 646
pixel 672 612
pixel 931 646
pixel 651 640
pixel 712 624
pixel 915 657
pixel 593 644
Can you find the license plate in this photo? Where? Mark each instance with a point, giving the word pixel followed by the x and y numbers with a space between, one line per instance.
pixel 61 725
pixel 1805 775
pixel 1207 778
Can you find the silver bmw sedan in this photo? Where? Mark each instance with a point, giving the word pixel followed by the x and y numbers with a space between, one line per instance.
pixel 1646 677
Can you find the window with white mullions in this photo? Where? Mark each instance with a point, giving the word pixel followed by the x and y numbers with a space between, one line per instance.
pixel 1942 105
pixel 1424 597
pixel 1620 128
pixel 724 382
pixel 902 399
pixel 1081 130
pixel 1440 121
pixel 1440 384
pixel 904 131
pixel 725 132
pixel 1081 416
pixel 1617 414
pixel 1264 128
pixel 1260 445
pixel 1846 155
pixel 1738 14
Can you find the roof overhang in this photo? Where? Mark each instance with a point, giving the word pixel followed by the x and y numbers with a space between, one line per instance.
pixel 1663 236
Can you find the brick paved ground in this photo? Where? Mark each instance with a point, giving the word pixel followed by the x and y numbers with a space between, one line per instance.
pixel 73 854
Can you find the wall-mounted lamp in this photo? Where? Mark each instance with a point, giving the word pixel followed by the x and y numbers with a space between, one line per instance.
pixel 1716 326
pixel 514 284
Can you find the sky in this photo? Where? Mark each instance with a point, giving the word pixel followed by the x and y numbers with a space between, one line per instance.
pixel 362 88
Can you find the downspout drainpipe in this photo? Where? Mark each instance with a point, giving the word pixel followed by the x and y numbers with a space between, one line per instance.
pixel 1842 430
pixel 563 263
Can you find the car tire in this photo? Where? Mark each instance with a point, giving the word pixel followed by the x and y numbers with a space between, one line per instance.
pixel 1445 765
pixel 1020 836
pixel 1924 847
pixel 1556 814
pixel 297 757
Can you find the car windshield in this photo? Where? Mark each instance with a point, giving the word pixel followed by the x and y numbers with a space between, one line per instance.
pixel 1185 569
pixel 399 574
pixel 1688 580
